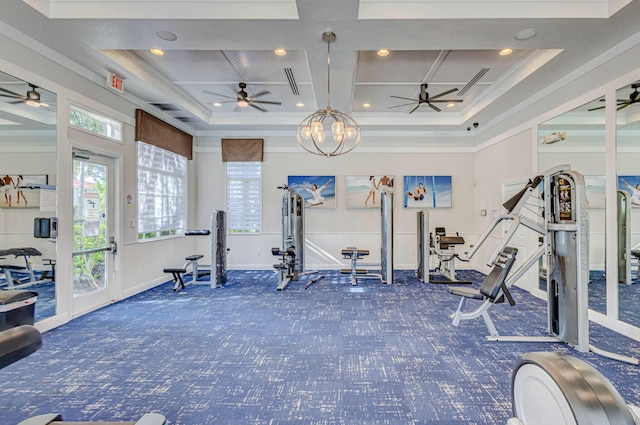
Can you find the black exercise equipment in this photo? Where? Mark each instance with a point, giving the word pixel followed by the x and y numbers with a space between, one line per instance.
pixel 287 267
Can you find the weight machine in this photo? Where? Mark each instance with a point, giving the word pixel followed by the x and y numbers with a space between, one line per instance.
pixel 626 254
pixel 565 244
pixel 291 254
pixel 217 268
pixel 443 246
pixel 386 248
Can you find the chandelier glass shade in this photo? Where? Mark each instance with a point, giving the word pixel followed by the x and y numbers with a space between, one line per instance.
pixel 328 132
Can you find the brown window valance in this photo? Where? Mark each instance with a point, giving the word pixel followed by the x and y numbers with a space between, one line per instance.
pixel 242 150
pixel 154 131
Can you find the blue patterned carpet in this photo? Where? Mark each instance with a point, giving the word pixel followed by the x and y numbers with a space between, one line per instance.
pixel 329 354
pixel 46 304
pixel 628 298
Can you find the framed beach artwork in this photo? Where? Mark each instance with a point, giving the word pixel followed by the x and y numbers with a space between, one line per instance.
pixel 631 184
pixel 317 191
pixel 21 190
pixel 595 190
pixel 364 191
pixel 427 192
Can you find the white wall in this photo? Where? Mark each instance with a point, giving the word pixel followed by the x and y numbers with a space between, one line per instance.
pixel 507 161
pixel 331 230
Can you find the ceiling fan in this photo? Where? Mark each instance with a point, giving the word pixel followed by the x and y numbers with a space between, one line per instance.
pixel 242 99
pixel 429 100
pixel 32 98
pixel 624 103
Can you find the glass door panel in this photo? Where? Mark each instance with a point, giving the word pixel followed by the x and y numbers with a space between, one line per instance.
pixel 93 247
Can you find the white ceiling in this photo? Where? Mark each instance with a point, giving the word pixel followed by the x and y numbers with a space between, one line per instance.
pixel 221 43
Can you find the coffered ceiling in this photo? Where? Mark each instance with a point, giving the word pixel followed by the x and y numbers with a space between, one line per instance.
pixel 450 45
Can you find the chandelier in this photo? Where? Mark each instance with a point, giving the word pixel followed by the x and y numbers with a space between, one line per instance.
pixel 343 130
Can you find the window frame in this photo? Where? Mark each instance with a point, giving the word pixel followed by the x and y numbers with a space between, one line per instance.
pixel 243 230
pixel 100 118
pixel 148 235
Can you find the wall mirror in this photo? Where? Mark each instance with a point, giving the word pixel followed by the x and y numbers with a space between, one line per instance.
pixel 628 170
pixel 28 143
pixel 577 138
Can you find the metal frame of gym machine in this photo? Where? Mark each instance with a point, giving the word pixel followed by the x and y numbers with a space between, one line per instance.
pixel 386 246
pixel 623 203
pixel 565 235
pixel 217 268
pixel 447 257
pixel 218 248
pixel 293 239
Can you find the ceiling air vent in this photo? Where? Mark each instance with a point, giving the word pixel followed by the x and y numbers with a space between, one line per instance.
pixel 166 106
pixel 187 119
pixel 473 81
pixel 292 81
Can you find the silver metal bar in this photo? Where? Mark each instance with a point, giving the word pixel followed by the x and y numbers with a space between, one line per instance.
pixel 92 251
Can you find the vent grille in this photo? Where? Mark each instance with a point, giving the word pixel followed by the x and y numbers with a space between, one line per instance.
pixel 473 81
pixel 292 81
pixel 166 106
pixel 187 119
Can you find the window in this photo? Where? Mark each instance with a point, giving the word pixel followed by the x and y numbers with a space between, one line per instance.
pixel 162 192
pixel 244 197
pixel 95 123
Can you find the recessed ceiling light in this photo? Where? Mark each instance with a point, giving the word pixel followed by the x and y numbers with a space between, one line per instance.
pixel 383 52
pixel 280 52
pixel 366 105
pixel 217 104
pixel 299 104
pixel 505 52
pixel 451 105
pixel 157 52
pixel 166 35
pixel 526 34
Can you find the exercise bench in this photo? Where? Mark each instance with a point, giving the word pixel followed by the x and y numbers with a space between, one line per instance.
pixel 179 273
pixel 23 282
pixel 354 255
pixel 494 290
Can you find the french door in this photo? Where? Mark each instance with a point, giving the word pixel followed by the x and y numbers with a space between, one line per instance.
pixel 94 245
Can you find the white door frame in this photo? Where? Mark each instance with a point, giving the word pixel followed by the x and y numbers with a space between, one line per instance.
pixel 87 303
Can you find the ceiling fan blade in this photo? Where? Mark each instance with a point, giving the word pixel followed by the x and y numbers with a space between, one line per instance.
pixel 257 107
pixel 16 102
pixel 413 110
pixel 262 93
pixel 218 94
pixel 405 98
pixel 623 106
pixel 434 107
pixel 16 95
pixel 399 106
pixel 265 102
pixel 595 109
pixel 443 94
pixel 446 101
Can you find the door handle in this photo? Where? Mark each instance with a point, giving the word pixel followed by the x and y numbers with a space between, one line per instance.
pixel 113 245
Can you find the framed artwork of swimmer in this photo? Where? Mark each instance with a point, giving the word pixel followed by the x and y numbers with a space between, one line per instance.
pixel 427 192
pixel 21 190
pixel 364 191
pixel 317 191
